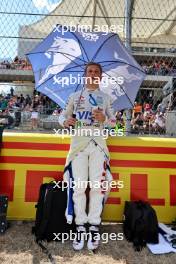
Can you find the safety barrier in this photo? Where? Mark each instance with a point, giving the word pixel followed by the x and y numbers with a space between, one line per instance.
pixel 147 167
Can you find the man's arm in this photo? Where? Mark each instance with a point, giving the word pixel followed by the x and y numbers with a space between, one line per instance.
pixel 65 118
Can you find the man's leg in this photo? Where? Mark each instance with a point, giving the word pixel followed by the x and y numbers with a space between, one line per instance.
pixel 97 174
pixel 80 177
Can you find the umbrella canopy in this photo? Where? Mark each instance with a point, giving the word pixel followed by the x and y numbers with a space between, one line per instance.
pixel 59 61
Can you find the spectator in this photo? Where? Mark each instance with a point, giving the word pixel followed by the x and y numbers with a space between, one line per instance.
pixel 35 112
pixel 138 122
pixel 148 119
pixel 172 104
pixel 28 100
pixel 3 104
pixel 137 109
pixel 120 124
pixel 22 99
pixel 159 125
pixel 163 107
pixel 147 107
pixel 11 91
pixel 16 59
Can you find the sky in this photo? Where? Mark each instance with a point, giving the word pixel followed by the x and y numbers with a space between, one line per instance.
pixel 9 23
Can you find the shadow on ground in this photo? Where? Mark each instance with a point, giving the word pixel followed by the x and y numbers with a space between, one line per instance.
pixel 18 246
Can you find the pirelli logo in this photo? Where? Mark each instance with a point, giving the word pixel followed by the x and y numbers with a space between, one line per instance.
pixel 148 173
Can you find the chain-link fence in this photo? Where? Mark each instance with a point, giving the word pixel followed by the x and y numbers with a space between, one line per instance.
pixel 152 37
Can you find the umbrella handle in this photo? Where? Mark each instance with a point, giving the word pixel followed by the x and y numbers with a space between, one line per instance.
pixel 74 116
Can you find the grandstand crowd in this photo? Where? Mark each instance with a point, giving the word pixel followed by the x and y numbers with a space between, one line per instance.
pixel 16 64
pixel 25 108
pixel 153 68
pixel 159 68
pixel 146 117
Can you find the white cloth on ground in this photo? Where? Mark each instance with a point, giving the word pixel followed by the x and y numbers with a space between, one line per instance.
pixel 163 246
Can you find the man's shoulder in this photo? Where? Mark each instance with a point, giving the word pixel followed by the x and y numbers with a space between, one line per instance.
pixel 105 95
pixel 100 93
pixel 75 94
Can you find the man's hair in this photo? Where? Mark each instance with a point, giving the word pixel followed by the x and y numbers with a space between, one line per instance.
pixel 95 64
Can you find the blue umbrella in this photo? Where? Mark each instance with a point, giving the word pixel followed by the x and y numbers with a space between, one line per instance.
pixel 59 61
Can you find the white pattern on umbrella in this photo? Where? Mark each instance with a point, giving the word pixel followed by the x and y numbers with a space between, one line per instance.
pixel 69 47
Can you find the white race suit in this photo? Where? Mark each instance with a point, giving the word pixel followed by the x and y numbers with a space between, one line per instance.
pixel 88 158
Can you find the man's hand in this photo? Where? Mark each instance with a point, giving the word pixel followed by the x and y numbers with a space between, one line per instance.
pixel 98 115
pixel 70 122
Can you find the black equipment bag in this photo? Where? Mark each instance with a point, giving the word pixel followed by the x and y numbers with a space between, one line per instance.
pixel 50 214
pixel 3 213
pixel 140 225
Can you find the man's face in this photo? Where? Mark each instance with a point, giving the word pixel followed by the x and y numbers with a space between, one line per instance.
pixel 93 76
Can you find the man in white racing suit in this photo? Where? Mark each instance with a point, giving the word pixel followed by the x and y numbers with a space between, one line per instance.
pixel 88 155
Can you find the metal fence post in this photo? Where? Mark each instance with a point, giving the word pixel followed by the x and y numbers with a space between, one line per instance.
pixel 128 13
